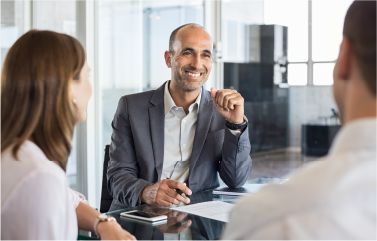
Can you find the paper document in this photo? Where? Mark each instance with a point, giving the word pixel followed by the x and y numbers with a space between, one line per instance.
pixel 216 210
pixel 241 191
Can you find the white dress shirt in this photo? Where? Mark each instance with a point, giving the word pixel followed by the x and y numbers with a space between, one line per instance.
pixel 36 202
pixel 179 137
pixel 334 198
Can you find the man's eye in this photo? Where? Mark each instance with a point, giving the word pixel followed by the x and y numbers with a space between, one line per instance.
pixel 186 53
pixel 207 55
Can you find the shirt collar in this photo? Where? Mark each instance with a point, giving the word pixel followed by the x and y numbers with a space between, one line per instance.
pixel 356 135
pixel 169 102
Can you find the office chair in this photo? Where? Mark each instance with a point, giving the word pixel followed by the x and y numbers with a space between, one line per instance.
pixel 106 198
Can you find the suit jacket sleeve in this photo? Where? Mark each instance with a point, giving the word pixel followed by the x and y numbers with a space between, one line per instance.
pixel 235 166
pixel 122 173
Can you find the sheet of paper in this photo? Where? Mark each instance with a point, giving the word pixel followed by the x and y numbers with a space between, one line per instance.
pixel 216 210
pixel 241 191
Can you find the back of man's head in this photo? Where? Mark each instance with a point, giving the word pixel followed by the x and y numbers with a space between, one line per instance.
pixel 360 29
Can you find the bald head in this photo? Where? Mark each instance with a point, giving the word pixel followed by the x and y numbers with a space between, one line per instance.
pixel 173 35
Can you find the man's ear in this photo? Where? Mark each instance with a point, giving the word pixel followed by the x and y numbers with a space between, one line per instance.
pixel 167 56
pixel 342 70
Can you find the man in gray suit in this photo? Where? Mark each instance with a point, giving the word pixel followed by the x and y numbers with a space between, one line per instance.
pixel 180 135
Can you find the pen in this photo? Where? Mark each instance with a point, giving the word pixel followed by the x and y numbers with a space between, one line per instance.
pixel 180 192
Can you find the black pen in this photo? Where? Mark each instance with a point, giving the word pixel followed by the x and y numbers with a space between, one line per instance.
pixel 180 192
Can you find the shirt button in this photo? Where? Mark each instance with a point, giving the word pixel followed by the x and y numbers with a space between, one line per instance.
pixel 176 108
pixel 184 145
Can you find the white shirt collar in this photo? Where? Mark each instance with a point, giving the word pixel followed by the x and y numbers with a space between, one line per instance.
pixel 169 102
pixel 359 134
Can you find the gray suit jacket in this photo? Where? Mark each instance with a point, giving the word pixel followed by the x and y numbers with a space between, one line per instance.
pixel 137 148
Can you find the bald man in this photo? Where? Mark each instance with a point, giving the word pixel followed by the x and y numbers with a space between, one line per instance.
pixel 179 136
pixel 334 198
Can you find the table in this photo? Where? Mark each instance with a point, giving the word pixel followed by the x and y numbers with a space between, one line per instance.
pixel 201 228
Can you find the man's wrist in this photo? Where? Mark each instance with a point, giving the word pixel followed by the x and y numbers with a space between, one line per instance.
pixel 237 126
pixel 236 122
pixel 143 199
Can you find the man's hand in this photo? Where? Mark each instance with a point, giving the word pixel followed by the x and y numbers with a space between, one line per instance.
pixel 113 231
pixel 162 193
pixel 230 104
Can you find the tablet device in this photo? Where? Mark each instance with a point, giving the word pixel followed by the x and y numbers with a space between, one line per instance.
pixel 145 216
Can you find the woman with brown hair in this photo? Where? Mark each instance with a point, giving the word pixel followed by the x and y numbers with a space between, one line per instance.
pixel 44 92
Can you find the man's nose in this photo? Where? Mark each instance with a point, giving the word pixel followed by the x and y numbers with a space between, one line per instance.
pixel 196 63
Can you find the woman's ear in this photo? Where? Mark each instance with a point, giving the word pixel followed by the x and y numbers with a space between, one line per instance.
pixel 71 91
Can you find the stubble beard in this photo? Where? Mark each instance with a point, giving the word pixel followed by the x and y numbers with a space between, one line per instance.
pixel 182 82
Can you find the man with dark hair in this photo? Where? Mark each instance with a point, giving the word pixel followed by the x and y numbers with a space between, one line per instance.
pixel 334 198
pixel 179 136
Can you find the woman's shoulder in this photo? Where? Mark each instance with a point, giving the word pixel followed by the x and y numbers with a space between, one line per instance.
pixel 29 158
pixel 31 164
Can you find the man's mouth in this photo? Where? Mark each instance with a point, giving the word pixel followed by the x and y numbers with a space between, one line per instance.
pixel 193 74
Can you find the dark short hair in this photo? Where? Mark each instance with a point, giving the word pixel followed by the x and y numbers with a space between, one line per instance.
pixel 360 29
pixel 174 34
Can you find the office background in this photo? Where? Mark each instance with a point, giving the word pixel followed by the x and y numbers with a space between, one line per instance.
pixel 125 42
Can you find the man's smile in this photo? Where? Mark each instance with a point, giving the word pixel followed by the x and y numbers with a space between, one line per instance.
pixel 193 74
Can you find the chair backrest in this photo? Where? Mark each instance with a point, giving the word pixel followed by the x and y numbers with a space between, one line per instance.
pixel 106 198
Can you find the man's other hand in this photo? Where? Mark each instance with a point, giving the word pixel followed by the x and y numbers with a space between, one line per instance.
pixel 162 193
pixel 230 104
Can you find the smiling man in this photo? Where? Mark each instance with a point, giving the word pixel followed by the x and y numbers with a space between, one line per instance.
pixel 179 136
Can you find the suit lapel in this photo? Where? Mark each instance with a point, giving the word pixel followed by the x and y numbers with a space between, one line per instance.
pixel 157 124
pixel 202 127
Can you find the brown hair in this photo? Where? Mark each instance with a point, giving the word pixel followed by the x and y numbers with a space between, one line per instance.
pixel 360 29
pixel 35 102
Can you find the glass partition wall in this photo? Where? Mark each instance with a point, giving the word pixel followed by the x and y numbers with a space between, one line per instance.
pixel 133 37
pixel 12 25
pixel 59 16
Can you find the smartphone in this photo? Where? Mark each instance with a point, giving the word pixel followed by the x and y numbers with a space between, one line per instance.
pixel 145 216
